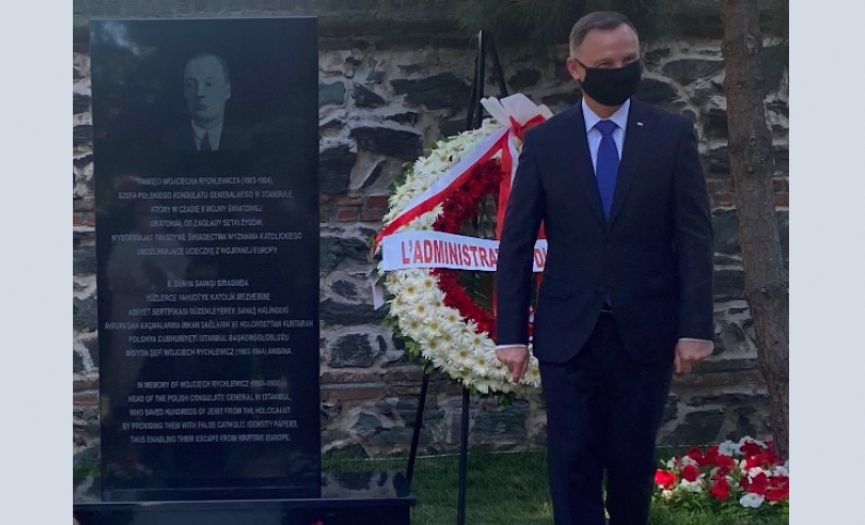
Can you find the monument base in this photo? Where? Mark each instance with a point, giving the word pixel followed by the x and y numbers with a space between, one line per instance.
pixel 351 498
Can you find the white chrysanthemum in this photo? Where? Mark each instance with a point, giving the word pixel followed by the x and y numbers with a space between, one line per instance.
pixel 533 374
pixel 411 325
pixel 452 329
pixel 482 386
pixel 751 500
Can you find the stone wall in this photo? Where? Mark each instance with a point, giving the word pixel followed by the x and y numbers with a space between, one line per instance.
pixel 383 97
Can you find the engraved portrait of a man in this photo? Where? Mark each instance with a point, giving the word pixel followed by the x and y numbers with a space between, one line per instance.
pixel 207 92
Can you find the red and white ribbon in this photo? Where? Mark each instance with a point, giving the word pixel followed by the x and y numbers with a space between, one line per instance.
pixel 517 114
pixel 429 249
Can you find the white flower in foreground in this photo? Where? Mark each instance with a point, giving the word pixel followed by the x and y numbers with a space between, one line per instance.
pixel 691 486
pixel 686 460
pixel 753 472
pixel 729 448
pixel 749 439
pixel 751 500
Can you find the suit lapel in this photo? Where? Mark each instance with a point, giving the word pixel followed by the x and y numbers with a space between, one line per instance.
pixel 582 159
pixel 188 138
pixel 636 136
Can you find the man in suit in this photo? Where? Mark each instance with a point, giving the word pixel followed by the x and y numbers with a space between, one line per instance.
pixel 626 296
pixel 206 89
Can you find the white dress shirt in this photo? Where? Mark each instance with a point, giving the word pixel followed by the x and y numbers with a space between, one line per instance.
pixel 620 117
pixel 213 135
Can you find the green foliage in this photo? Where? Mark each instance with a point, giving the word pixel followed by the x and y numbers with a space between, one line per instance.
pixel 399 180
pixel 724 513
pixel 84 470
pixel 549 21
pixel 678 513
pixel 540 23
pixel 513 488
pixel 544 22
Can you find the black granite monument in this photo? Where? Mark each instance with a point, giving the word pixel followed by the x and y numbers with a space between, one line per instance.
pixel 205 161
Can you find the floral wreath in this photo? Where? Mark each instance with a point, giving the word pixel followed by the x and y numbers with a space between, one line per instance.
pixel 429 309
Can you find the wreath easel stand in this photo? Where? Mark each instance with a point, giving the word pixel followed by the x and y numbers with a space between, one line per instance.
pixel 474 118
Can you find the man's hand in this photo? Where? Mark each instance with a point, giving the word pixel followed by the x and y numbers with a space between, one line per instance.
pixel 688 353
pixel 515 358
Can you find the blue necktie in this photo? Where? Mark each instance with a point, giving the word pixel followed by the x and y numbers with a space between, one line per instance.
pixel 607 164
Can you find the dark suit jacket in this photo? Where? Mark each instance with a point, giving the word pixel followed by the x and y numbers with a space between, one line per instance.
pixel 182 138
pixel 653 257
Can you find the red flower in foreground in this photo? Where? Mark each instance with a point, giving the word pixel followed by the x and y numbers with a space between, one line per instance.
pixel 721 472
pixel 760 460
pixel 724 461
pixel 778 489
pixel 665 479
pixel 749 448
pixel 711 456
pixel 697 455
pixel 720 489
pixel 727 476
pixel 756 485
pixel 690 473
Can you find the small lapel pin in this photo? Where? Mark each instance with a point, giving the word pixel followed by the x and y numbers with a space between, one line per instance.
pixel 640 124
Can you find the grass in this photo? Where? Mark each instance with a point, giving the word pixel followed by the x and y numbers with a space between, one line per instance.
pixel 512 489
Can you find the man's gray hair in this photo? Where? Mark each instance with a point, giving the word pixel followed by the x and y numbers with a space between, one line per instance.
pixel 604 20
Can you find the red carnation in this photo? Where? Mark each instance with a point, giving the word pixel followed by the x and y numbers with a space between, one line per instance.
pixel 750 448
pixel 720 489
pixel 696 454
pixel 758 484
pixel 724 461
pixel 721 472
pixel 778 489
pixel 690 473
pixel 760 460
pixel 711 455
pixel 665 478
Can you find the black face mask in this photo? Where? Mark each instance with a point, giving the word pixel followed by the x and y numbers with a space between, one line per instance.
pixel 612 87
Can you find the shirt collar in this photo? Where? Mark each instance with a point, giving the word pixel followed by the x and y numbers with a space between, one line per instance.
pixel 199 133
pixel 620 117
